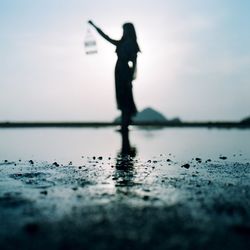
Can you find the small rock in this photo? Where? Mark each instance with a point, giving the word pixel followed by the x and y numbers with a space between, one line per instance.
pixel 187 166
pixel 44 192
pixel 223 157
pixel 198 160
pixel 100 158
pixel 168 160
pixel 145 197
pixel 94 157
pixel 31 162
pixel 55 164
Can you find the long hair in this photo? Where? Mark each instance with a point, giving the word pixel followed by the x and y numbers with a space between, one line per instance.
pixel 129 33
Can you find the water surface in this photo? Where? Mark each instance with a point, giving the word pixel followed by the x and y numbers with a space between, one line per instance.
pixel 73 144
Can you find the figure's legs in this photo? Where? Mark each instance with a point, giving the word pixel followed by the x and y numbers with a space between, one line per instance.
pixel 125 120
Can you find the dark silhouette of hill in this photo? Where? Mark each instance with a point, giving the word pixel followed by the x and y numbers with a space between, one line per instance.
pixel 149 115
pixel 246 120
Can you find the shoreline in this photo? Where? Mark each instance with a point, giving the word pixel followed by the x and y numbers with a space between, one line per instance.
pixel 226 125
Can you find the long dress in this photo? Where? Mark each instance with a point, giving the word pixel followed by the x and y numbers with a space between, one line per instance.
pixel 126 52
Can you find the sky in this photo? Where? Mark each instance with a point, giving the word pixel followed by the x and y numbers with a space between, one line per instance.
pixel 195 60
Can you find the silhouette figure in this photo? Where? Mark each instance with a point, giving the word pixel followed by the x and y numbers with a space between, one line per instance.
pixel 125 70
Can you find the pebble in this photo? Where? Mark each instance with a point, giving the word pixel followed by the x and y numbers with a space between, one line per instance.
pixel 198 160
pixel 55 164
pixel 186 166
pixel 223 157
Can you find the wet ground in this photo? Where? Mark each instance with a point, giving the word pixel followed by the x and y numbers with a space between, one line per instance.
pixel 125 203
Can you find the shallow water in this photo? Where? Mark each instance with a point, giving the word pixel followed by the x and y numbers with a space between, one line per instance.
pixel 73 144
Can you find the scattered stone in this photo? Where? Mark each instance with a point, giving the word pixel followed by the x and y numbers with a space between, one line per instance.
pixel 5 161
pixel 109 158
pixel 198 160
pixel 187 166
pixel 94 157
pixel 149 161
pixel 80 167
pixel 55 164
pixel 145 197
pixel 44 192
pixel 100 158
pixel 208 160
pixel 223 157
pixel 31 162
pixel 75 188
pixel 70 163
pixel 168 160
pixel 154 161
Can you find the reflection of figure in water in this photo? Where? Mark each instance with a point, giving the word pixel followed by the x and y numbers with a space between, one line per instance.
pixel 125 70
pixel 124 173
pixel 126 151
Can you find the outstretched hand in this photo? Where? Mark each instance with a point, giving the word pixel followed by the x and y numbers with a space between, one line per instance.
pixel 91 23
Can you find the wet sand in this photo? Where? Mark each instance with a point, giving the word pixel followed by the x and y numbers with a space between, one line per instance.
pixel 125 203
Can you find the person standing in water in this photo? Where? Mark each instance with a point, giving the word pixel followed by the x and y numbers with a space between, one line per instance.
pixel 125 70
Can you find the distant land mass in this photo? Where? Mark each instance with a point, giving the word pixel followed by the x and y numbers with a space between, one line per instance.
pixel 246 120
pixel 149 115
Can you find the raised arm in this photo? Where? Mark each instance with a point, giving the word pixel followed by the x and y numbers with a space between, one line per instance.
pixel 114 42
